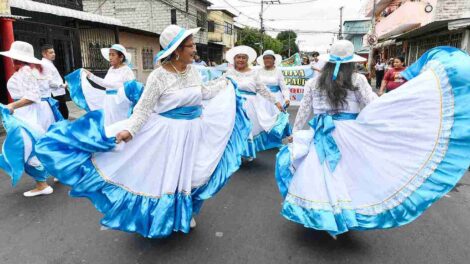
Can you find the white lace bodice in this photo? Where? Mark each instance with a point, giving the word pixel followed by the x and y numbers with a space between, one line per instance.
pixel 250 81
pixel 50 81
pixel 166 91
pixel 274 77
pixel 115 78
pixel 315 102
pixel 24 84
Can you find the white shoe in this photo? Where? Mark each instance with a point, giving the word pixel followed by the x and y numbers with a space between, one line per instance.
pixel 46 191
pixel 192 224
pixel 56 180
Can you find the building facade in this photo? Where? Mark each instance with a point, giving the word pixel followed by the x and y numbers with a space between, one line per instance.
pixel 155 15
pixel 409 28
pixel 354 31
pixel 221 33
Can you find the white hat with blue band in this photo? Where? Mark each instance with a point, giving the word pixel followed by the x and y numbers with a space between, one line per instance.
pixel 171 38
pixel 120 48
pixel 342 51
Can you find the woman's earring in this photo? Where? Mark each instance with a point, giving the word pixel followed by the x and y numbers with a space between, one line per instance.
pixel 177 57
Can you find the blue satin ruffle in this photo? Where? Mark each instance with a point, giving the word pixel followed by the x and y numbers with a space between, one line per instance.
pixel 325 144
pixel 67 149
pixel 185 112
pixel 246 92
pixel 74 82
pixel 442 180
pixel 12 160
pixel 274 88
pixel 133 90
pixel 54 104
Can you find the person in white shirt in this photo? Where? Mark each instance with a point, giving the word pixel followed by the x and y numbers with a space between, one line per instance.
pixel 316 64
pixel 53 83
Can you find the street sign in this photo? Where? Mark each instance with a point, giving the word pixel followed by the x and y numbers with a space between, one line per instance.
pixel 372 39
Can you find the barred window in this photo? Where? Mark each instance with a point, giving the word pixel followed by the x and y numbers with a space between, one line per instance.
pixel 147 58
pixel 210 26
pixel 228 28
pixel 201 19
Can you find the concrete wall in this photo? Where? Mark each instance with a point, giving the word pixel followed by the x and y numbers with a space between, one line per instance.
pixel 452 9
pixel 135 43
pixel 151 15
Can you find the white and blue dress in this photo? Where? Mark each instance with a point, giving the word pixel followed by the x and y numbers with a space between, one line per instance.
pixel 26 125
pixel 188 139
pixel 268 128
pixel 383 165
pixel 118 95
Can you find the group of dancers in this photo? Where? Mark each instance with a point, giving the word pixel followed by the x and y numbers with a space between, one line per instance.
pixel 148 157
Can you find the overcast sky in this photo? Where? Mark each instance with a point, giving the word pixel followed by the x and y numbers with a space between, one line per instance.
pixel 319 15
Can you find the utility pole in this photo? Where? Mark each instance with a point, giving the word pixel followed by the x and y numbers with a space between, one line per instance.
pixel 373 36
pixel 340 34
pixel 288 56
pixel 261 20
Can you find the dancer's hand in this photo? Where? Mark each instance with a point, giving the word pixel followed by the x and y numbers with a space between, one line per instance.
pixel 380 93
pixel 123 136
pixel 87 72
pixel 11 108
pixel 279 106
pixel 287 103
pixel 290 139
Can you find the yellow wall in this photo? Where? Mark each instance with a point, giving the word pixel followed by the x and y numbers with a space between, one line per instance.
pixel 220 17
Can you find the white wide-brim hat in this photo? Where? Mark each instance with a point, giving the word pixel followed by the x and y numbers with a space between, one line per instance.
pixel 21 51
pixel 249 51
pixel 171 38
pixel 342 51
pixel 118 47
pixel 277 58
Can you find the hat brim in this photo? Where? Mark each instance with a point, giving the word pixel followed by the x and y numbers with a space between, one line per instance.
pixel 277 59
pixel 356 58
pixel 105 54
pixel 20 57
pixel 170 50
pixel 249 51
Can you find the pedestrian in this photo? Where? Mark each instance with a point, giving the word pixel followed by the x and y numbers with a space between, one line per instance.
pixel 379 72
pixel 316 64
pixel 256 93
pixel 393 78
pixel 198 61
pixel 366 163
pixel 177 153
pixel 53 84
pixel 116 107
pixel 305 60
pixel 25 119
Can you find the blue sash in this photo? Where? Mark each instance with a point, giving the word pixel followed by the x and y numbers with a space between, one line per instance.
pixel 274 88
pixel 246 92
pixel 325 144
pixel 185 112
pixel 111 92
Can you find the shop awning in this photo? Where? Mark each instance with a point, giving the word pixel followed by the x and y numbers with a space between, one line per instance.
pixel 31 6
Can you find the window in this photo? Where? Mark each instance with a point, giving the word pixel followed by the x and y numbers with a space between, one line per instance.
pixel 228 28
pixel 147 58
pixel 210 26
pixel 201 19
pixel 173 16
pixel 133 53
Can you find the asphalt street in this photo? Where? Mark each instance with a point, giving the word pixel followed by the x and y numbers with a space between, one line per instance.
pixel 242 224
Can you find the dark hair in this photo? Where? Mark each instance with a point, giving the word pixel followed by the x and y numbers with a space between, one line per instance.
pixel 401 58
pixel 337 90
pixel 315 53
pixel 46 47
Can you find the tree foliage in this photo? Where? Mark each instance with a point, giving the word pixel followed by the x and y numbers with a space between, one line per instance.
pixel 252 37
pixel 288 39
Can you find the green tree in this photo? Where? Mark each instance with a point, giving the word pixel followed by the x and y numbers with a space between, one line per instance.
pixel 252 37
pixel 288 39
